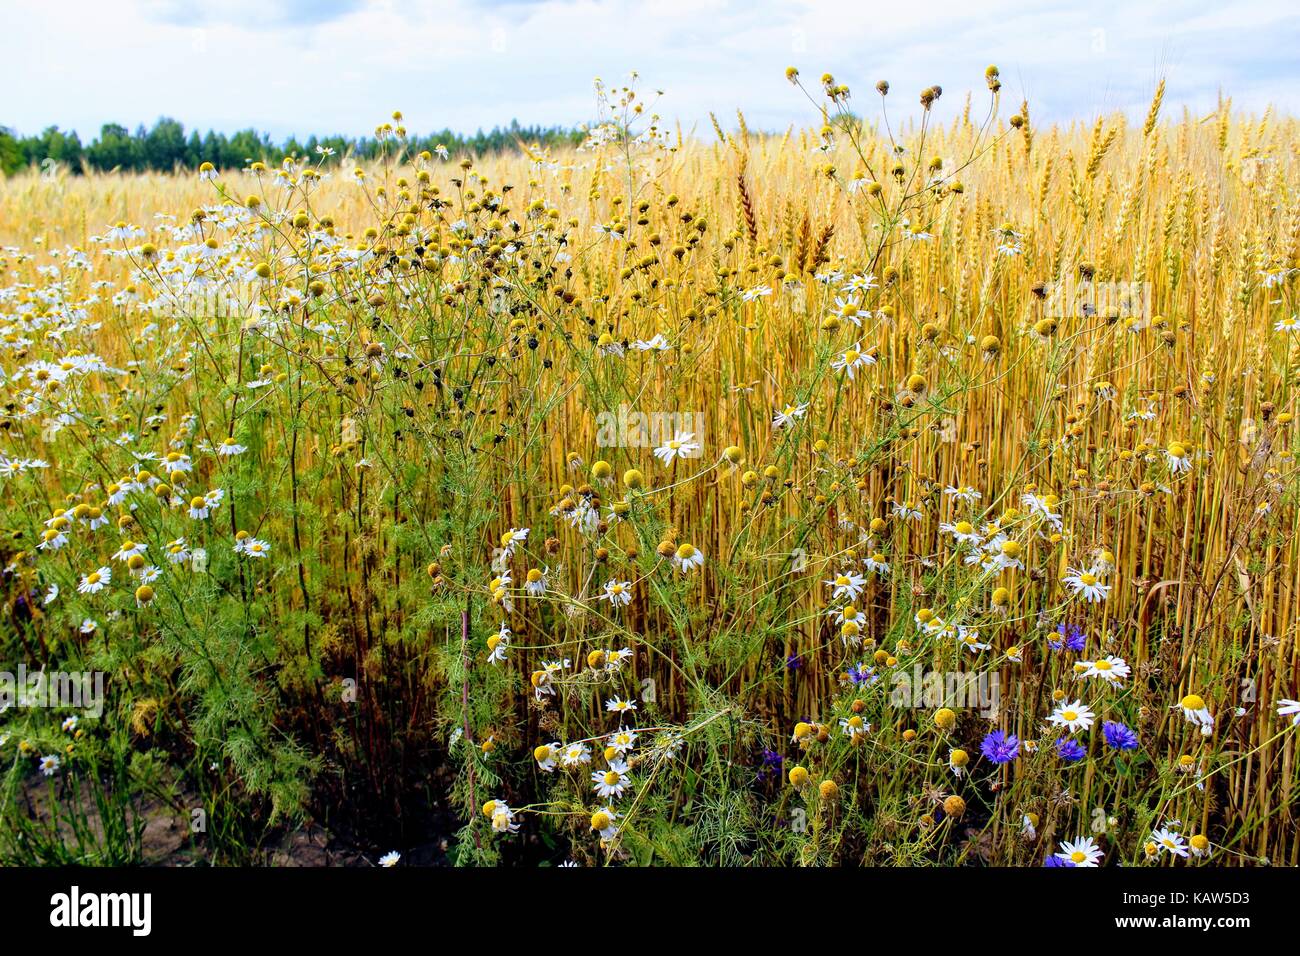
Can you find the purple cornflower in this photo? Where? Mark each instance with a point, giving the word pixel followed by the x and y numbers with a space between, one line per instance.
pixel 1054 860
pixel 770 765
pixel 1119 736
pixel 860 674
pixel 1072 638
pixel 1070 750
pixel 1000 748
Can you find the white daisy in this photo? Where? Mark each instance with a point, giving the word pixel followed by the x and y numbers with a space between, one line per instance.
pixel 1072 715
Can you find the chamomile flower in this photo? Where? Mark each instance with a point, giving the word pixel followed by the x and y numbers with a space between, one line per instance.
pixel 535 582
pixel 622 740
pixel 95 581
pixel 229 448
pixel 251 547
pixel 616 705
pixel 1111 669
pixel 876 563
pixel 617 593
pixel 789 415
pixel 390 859
pixel 687 557
pixel 612 782
pixel 50 764
pixel 545 756
pixel 963 532
pixel 498 645
pixel 1072 715
pixel 852 359
pixel 1082 852
pixel 1087 584
pixel 681 445
pixel 1178 459
pixel 962 493
pixel 128 550
pixel 854 727
pixel 602 821
pixel 575 755
pixel 1194 709
pixel 846 584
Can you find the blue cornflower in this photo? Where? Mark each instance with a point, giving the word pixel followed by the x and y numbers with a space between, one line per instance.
pixel 1119 736
pixel 860 674
pixel 1054 860
pixel 1000 748
pixel 793 662
pixel 1070 750
pixel 1072 638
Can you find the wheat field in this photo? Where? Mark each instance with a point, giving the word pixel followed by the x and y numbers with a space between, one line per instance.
pixel 884 492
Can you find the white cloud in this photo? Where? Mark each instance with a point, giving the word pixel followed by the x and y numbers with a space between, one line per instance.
pixel 298 66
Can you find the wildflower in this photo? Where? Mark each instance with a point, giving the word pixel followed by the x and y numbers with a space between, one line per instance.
pixel 1111 669
pixel 788 415
pixel 252 547
pixel 616 705
pixel 1169 841
pixel 498 644
pixel 962 493
pixel 1087 584
pixel 69 725
pixel 611 782
pixel 1289 708
pixel 95 581
pixel 1177 459
pixel 1194 709
pixel 681 446
pixel 1072 638
pixel 846 584
pixel 688 557
pixel 1029 826
pixel 229 447
pixel 854 727
pixel 622 740
pixel 602 821
pixel 617 593
pixel 876 563
pixel 1070 750
pixel 545 757
pixel 49 764
pixel 390 859
pixel 1073 716
pixel 1008 555
pixel 535 582
pixel 957 761
pixel 1000 747
pixel 1119 736
pixel 963 532
pixel 1082 852
pixel 128 550
pixel 575 755
pixel 512 538
pixel 1199 845
pixel 851 359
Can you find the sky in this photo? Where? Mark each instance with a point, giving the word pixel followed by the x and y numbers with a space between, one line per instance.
pixel 298 67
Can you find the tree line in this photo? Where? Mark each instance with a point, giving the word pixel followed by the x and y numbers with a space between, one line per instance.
pixel 166 146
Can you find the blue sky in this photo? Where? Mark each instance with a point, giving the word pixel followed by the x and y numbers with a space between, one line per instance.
pixel 325 66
